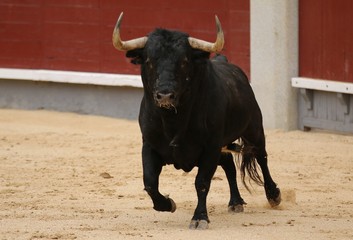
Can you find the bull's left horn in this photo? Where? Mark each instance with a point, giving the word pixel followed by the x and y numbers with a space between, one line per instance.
pixel 217 46
pixel 126 45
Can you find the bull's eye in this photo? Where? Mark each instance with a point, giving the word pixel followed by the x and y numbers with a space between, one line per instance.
pixel 185 62
pixel 148 63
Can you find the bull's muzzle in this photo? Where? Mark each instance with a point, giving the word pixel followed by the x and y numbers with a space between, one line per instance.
pixel 165 99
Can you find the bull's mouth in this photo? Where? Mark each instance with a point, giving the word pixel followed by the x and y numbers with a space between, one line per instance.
pixel 167 105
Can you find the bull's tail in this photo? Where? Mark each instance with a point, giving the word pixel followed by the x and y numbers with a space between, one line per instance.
pixel 249 165
pixel 246 161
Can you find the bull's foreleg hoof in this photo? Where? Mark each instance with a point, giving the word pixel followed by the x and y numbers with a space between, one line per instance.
pixel 273 196
pixel 236 205
pixel 167 205
pixel 238 208
pixel 198 224
pixel 199 221
pixel 173 205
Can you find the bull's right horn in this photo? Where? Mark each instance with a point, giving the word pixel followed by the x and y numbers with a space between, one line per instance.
pixel 126 45
pixel 217 46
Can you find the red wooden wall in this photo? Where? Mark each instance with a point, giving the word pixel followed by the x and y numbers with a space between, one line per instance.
pixel 76 34
pixel 326 39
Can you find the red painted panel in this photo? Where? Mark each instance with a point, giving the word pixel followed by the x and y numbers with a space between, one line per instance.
pixel 20 62
pixel 72 50
pixel 20 13
pixel 238 36
pixel 310 38
pixel 76 34
pixel 75 64
pixel 333 36
pixel 21 2
pixel 70 32
pixel 71 14
pixel 20 32
pixel 240 20
pixel 239 5
pixel 20 49
pixel 326 39
pixel 73 3
pixel 239 41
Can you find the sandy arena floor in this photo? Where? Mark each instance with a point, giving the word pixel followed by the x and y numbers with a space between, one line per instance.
pixel 69 176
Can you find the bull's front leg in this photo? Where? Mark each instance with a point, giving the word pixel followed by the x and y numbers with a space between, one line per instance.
pixel 203 179
pixel 152 167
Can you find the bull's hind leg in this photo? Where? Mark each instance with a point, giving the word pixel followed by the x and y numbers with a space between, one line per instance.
pixel 152 167
pixel 254 148
pixel 236 202
pixel 273 193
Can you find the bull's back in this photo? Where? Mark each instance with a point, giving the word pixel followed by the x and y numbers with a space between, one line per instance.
pixel 241 108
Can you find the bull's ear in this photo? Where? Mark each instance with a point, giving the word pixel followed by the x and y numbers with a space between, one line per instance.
pixel 135 55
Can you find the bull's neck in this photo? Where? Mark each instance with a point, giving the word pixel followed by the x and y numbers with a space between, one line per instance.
pixel 175 123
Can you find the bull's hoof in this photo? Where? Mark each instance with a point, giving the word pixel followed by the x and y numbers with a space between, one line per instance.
pixel 173 208
pixel 274 199
pixel 236 205
pixel 238 208
pixel 198 224
pixel 165 204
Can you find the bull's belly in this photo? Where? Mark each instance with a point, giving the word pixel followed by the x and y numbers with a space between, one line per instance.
pixel 182 158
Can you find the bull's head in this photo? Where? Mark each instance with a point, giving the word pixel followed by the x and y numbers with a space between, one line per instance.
pixel 168 61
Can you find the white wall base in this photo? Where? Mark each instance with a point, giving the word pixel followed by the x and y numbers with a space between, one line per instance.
pixel 104 79
pixel 114 95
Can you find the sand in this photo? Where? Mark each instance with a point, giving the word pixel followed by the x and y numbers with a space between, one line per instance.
pixel 71 176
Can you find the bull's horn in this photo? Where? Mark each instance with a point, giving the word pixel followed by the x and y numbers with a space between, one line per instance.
pixel 126 45
pixel 207 46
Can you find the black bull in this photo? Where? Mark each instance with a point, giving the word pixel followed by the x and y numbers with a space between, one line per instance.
pixel 191 108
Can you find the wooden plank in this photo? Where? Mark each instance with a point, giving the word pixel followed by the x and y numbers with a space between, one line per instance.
pixel 322 85
pixel 328 112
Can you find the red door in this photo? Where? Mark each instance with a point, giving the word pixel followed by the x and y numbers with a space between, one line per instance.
pixel 326 39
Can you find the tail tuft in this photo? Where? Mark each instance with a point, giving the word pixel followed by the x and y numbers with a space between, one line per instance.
pixel 249 165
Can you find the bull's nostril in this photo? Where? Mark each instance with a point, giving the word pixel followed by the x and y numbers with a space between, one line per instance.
pixel 165 96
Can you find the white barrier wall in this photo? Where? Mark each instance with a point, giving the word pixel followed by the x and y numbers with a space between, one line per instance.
pixel 274 60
